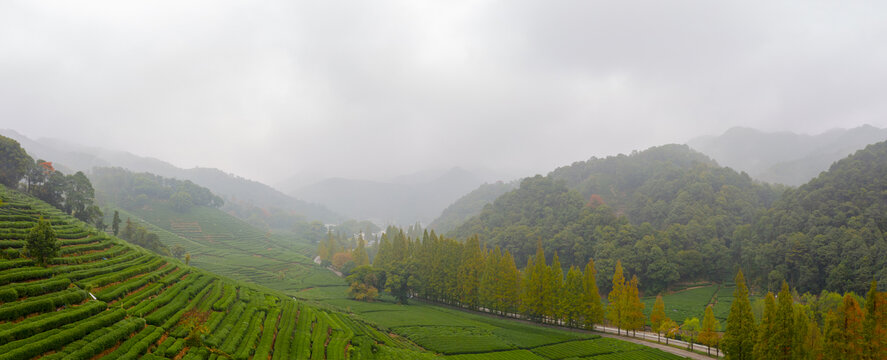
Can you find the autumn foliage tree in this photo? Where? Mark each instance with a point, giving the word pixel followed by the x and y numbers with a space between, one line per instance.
pixel 875 324
pixel 593 310
pixel 843 334
pixel 634 308
pixel 709 334
pixel 616 308
pixel 657 317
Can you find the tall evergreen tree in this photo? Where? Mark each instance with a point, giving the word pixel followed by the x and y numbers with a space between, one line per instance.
pixel 634 308
pixel 616 299
pixel 875 324
pixel 592 310
pixel 360 253
pixel 739 338
pixel 553 310
pixel 844 338
pixel 536 287
pixel 709 334
pixel 470 272
pixel 510 283
pixel 488 280
pixel 571 300
pixel 805 343
pixel 115 222
pixel 765 346
pixel 784 324
pixel 385 256
pixel 657 317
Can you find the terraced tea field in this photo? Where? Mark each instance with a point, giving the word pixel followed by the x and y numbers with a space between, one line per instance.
pixel 458 334
pixel 104 298
pixel 225 245
pixel 692 302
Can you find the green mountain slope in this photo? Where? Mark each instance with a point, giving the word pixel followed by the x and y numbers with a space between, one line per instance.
pixel 831 232
pixel 102 297
pixel 669 213
pixel 215 240
pixel 470 205
pixel 67 155
pixel 672 215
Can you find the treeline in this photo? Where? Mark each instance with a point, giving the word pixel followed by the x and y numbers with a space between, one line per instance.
pixel 137 234
pixel 467 274
pixel 131 190
pixel 343 258
pixel 72 194
pixel 830 233
pixel 673 216
pixel 806 327
pixel 470 275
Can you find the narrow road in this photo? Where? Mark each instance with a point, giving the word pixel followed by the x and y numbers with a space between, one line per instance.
pixel 663 347
pixel 650 337
pixel 602 331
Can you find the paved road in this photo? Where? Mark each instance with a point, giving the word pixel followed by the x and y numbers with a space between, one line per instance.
pixel 663 347
pixel 608 332
pixel 639 336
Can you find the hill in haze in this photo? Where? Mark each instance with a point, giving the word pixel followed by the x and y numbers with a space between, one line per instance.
pixel 470 205
pixel 668 213
pixel 672 215
pixel 785 157
pixel 70 156
pixel 404 200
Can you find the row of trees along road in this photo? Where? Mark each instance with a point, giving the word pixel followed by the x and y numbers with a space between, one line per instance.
pixel 470 275
pixel 790 327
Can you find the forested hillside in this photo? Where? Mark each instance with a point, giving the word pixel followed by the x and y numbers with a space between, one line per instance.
pixel 831 232
pixel 470 205
pixel 672 215
pixel 237 190
pixel 669 213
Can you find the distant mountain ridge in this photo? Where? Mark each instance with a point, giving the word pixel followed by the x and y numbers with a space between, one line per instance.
pixel 70 157
pixel 785 157
pixel 404 200
pixel 470 205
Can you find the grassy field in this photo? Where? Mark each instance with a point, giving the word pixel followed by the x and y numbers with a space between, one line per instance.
pixel 104 298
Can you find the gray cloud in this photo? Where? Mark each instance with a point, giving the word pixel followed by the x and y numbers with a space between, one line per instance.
pixel 268 89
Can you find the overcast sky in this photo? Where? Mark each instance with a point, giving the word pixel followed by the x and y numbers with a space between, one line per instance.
pixel 269 89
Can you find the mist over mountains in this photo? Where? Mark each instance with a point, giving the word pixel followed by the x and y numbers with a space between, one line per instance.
pixel 422 196
pixel 785 157
pixel 403 200
pixel 70 157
